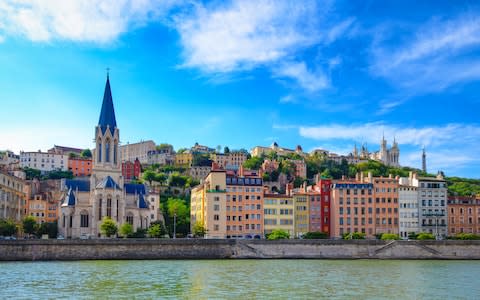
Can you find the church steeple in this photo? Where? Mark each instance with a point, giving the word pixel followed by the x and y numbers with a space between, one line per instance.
pixel 107 115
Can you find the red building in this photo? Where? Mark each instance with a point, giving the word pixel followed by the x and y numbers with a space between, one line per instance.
pixel 319 207
pixel 131 170
pixel 80 166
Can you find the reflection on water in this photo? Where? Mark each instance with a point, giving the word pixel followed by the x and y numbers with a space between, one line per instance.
pixel 220 279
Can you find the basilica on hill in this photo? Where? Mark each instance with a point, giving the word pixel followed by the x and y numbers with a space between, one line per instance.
pixel 387 156
pixel 87 202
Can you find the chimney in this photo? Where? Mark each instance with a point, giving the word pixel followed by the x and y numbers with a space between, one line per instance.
pixel 370 180
pixel 357 177
pixel 241 171
pixel 362 177
pixel 288 189
pixel 410 175
pixel 390 176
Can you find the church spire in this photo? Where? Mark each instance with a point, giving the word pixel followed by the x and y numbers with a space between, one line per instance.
pixel 107 115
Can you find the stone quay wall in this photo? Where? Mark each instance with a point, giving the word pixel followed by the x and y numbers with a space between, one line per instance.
pixel 110 249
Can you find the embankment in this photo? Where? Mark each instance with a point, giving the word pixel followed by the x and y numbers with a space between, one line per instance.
pixel 31 250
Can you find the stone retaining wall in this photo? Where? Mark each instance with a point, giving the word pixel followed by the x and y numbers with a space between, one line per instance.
pixel 31 250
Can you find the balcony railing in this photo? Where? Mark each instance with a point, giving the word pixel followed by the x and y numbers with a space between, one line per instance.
pixel 216 191
pixel 433 225
pixel 433 215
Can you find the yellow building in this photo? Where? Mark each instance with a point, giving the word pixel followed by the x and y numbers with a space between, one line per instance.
pixel 185 158
pixel 279 213
pixel 301 212
pixel 233 159
pixel 12 196
pixel 208 205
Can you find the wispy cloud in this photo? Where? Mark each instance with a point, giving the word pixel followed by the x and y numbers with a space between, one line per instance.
pixel 244 35
pixel 432 58
pixel 94 21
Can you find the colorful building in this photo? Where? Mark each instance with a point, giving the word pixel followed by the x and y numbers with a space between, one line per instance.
pixel 279 213
pixel 184 159
pixel 79 166
pixel 302 212
pixel 386 205
pixel 319 215
pixel 12 196
pixel 130 152
pixel 463 215
pixel 231 160
pixel 43 199
pixel 131 170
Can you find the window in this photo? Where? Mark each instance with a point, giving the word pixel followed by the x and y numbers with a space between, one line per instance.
pixel 100 209
pixel 216 227
pixel 216 207
pixel 216 217
pixel 84 220
pixel 130 219
pixel 109 207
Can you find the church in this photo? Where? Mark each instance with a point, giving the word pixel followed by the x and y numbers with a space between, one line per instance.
pixel 387 156
pixel 106 194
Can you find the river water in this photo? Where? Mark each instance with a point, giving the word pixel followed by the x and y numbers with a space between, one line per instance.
pixel 241 279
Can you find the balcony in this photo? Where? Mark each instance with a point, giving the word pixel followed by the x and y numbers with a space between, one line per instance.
pixel 216 191
pixel 433 225
pixel 433 215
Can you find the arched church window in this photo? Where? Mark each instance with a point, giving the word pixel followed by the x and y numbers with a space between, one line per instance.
pixel 115 149
pixel 84 219
pixel 99 151
pixel 109 206
pixel 107 151
pixel 130 218
pixel 100 209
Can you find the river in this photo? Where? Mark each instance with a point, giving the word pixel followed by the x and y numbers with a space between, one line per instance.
pixel 241 279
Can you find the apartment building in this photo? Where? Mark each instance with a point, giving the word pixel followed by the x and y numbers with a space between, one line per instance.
pixel 279 213
pixel 80 166
pixel 12 196
pixel 463 215
pixel 44 161
pixel 386 205
pixel 43 200
pixel 408 210
pixel 130 152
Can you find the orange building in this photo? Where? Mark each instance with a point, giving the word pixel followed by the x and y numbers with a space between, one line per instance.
pixel 244 204
pixel 80 166
pixel 352 208
pixel 386 205
pixel 464 215
pixel 43 199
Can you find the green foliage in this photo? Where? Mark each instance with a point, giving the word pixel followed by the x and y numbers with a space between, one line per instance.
pixel 163 146
pixel 278 234
pixel 149 176
pixel 58 175
pixel 32 173
pixel 177 180
pixel 412 235
pixel 29 225
pixel 425 236
pixel 272 155
pixel 161 178
pixel 467 236
pixel 156 230
pixel 7 228
pixel 202 160
pixel 47 228
pixel 354 236
pixel 390 236
pixel 182 150
pixel 315 235
pixel 126 230
pixel 139 234
pixel 108 227
pixel 178 207
pixel 226 150
pixel 86 153
pixel 463 186
pixel 298 181
pixel 199 230
pixel 253 163
pixel 72 155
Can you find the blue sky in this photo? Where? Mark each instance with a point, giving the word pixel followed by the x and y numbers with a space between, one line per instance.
pixel 322 74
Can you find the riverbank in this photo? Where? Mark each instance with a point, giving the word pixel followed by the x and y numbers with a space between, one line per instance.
pixel 138 249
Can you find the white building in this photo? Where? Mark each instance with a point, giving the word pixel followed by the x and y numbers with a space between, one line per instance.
pixel 408 210
pixel 44 161
pixel 130 152
pixel 106 194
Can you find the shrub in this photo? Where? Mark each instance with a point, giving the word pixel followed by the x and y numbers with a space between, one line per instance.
pixel 425 236
pixel 412 235
pixel 7 228
pixel 315 235
pixel 156 230
pixel 354 236
pixel 126 230
pixel 467 236
pixel 278 234
pixel 108 227
pixel 139 234
pixel 390 236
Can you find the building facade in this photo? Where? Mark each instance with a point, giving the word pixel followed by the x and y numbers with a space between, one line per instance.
pixel 130 152
pixel 386 205
pixel 231 160
pixel 184 159
pixel 43 200
pixel 44 161
pixel 199 172
pixel 319 216
pixel 12 196
pixel 279 213
pixel 463 215
pixel 259 150
pixel 87 202
pixel 131 170
pixel 408 210
pixel 79 166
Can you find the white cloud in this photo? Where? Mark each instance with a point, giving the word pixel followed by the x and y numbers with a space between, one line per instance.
pixel 98 21
pixel 433 59
pixel 244 35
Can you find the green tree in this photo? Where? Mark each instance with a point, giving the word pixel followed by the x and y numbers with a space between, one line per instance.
pixel 201 159
pixel 354 236
pixel 108 227
pixel 29 225
pixel 389 236
pixel 7 228
pixel 412 235
pixel 467 236
pixel 253 163
pixel 163 146
pixel 425 236
pixel 182 150
pixel 278 234
pixel 177 180
pixel 87 153
pixel 149 176
pixel 226 150
pixel 178 207
pixel 126 230
pixel 315 235
pixel 298 181
pixel 161 178
pixel 199 230
pixel 32 173
pixel 58 174
pixel 47 228
pixel 157 230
